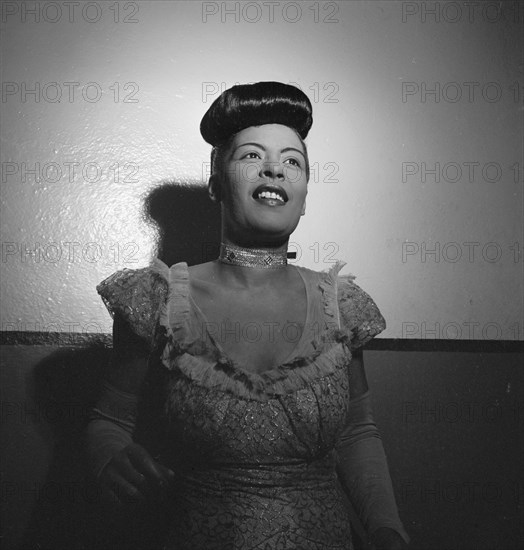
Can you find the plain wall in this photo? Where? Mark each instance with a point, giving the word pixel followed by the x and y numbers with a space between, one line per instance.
pixel 135 82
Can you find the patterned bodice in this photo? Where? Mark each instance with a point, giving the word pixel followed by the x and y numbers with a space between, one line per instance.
pixel 254 453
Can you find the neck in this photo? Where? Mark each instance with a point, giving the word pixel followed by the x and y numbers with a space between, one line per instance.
pixel 249 271
pixel 260 257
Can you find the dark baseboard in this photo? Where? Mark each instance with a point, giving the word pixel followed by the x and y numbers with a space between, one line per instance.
pixel 74 339
pixel 468 346
pixel 61 339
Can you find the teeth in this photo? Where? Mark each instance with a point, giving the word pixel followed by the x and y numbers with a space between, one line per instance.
pixel 270 195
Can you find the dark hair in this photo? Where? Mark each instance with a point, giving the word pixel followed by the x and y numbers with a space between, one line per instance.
pixel 247 105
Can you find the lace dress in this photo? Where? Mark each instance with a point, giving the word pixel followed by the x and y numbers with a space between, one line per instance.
pixel 254 454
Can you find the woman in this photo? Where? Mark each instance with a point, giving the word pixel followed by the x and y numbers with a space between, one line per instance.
pixel 237 397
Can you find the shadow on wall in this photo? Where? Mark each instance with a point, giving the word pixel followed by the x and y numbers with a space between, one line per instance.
pixel 66 383
pixel 69 513
pixel 188 223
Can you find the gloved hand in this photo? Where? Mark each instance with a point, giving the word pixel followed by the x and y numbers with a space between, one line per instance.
pixel 133 475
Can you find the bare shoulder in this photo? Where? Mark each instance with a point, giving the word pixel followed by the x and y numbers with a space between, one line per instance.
pixel 204 281
pixel 205 272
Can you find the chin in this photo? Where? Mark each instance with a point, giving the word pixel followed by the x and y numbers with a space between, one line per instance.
pixel 274 231
pixel 263 227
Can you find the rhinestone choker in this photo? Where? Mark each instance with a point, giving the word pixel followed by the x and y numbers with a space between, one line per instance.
pixel 253 257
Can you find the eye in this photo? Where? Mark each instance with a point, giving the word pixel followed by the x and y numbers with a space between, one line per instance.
pixel 251 155
pixel 293 161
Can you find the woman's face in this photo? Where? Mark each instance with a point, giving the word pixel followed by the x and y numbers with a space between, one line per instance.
pixel 263 185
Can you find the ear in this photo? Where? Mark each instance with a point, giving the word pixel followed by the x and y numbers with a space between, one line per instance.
pixel 213 189
pixel 303 208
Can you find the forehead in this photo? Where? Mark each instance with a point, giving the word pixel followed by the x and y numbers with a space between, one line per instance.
pixel 268 135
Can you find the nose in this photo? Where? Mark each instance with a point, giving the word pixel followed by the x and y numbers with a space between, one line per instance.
pixel 272 170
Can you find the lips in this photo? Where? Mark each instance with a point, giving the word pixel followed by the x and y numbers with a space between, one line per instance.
pixel 270 192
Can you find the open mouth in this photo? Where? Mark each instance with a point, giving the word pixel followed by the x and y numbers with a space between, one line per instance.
pixel 271 193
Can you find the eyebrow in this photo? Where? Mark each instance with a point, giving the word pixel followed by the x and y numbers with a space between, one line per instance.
pixel 263 148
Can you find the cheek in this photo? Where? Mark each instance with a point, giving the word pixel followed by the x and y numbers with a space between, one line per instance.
pixel 234 194
pixel 302 188
pixel 293 175
pixel 241 175
pixel 249 173
pixel 304 196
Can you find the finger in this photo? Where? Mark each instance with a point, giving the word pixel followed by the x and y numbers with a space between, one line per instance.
pixel 125 491
pixel 169 475
pixel 128 471
pixel 166 472
pixel 144 463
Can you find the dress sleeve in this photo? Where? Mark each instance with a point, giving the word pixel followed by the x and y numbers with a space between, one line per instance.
pixel 136 295
pixel 359 315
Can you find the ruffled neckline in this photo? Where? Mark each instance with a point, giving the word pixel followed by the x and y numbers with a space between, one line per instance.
pixel 207 365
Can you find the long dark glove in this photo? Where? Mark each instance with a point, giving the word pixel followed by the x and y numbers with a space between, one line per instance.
pixel 123 468
pixel 111 426
pixel 363 470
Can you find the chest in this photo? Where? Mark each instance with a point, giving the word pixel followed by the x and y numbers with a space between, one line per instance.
pixel 257 330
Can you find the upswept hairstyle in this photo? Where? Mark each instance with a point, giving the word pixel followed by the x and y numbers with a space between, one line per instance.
pixel 256 104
